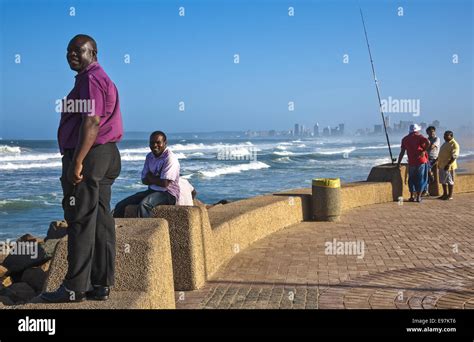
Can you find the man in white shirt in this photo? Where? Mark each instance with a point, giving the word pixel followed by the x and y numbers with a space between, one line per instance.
pixel 186 192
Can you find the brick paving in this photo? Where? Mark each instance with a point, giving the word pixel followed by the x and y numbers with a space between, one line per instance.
pixel 416 256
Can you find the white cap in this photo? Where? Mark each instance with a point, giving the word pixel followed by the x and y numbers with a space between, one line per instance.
pixel 415 128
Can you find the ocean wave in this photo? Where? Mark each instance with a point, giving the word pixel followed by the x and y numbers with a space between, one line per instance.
pixel 336 151
pixel 196 154
pixel 22 204
pixel 281 147
pixel 350 163
pixel 234 169
pixel 180 155
pixel 10 166
pixel 9 149
pixel 377 147
pixel 239 152
pixel 30 157
pixel 201 146
pixel 466 154
pixel 128 157
pixel 284 160
pixel 283 153
pixel 143 150
pixel 301 145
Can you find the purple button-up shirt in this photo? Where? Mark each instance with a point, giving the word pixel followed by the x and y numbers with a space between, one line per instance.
pixel 94 93
pixel 166 166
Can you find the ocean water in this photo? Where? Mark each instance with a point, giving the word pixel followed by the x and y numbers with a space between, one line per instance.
pixel 217 165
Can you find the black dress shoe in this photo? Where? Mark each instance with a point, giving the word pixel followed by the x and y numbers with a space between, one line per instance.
pixel 98 293
pixel 63 295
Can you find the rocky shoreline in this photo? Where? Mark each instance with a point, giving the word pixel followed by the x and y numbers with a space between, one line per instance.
pixel 23 275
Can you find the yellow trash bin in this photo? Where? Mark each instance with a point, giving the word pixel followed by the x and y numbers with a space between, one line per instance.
pixel 326 199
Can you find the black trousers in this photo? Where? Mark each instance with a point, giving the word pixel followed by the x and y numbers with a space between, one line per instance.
pixel 91 227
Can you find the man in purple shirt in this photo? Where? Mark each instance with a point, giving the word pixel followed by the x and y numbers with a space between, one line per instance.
pixel 90 126
pixel 161 174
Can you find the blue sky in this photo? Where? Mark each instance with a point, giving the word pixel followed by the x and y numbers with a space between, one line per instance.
pixel 282 59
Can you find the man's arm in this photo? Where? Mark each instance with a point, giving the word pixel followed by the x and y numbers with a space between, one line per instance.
pixel 449 163
pixel 87 136
pixel 400 156
pixel 454 155
pixel 150 179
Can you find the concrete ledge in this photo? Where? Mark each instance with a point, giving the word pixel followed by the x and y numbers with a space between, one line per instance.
pixel 364 193
pixel 237 225
pixel 204 240
pixel 187 244
pixel 144 274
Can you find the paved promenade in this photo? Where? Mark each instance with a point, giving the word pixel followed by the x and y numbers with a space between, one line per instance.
pixel 409 256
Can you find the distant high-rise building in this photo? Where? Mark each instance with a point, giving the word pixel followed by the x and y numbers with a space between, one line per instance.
pixel 297 130
pixel 341 129
pixel 436 123
pixel 387 120
pixel 327 131
pixel 316 130
pixel 377 129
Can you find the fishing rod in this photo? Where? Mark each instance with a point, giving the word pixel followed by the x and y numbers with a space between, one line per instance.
pixel 377 88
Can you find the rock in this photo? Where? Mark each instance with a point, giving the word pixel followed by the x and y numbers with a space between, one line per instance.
pixel 6 300
pixel 16 263
pixel 49 247
pixel 29 238
pixel 35 277
pixel 223 202
pixel 18 292
pixel 6 281
pixel 3 271
pixel 57 230
pixel 2 257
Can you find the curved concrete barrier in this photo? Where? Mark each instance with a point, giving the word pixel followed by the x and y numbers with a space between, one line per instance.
pixel 237 225
pixel 144 274
pixel 204 240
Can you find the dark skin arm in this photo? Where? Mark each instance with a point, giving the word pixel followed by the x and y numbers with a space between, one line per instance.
pixel 400 157
pixel 449 163
pixel 87 136
pixel 150 179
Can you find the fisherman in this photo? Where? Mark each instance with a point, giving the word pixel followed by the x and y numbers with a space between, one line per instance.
pixel 415 145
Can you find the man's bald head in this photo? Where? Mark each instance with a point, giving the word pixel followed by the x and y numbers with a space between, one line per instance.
pixel 81 52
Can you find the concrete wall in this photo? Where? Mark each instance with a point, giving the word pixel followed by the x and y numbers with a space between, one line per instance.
pixel 203 240
pixel 144 274
pixel 237 225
